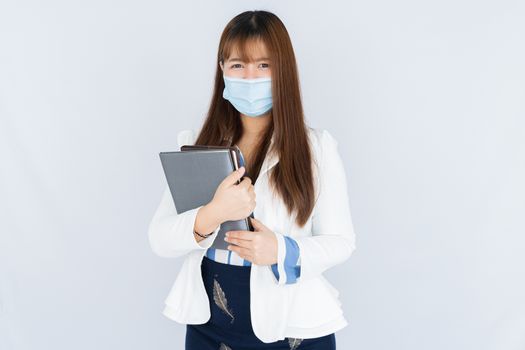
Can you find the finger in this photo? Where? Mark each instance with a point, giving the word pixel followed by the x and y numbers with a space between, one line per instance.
pixel 240 242
pixel 244 235
pixel 257 224
pixel 234 176
pixel 242 252
pixel 246 182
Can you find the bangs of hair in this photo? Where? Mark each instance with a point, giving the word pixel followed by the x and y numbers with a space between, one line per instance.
pixel 243 43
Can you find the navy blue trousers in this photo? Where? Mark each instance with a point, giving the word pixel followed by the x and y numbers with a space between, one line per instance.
pixel 230 327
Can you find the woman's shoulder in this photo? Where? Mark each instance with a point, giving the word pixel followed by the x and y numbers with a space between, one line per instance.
pixel 186 137
pixel 321 138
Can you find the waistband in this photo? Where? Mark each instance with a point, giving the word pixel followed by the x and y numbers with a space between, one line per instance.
pixel 236 271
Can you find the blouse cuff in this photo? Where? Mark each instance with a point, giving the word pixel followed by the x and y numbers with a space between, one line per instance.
pixel 288 260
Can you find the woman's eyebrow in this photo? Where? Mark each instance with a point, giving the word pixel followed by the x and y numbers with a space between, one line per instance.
pixel 236 59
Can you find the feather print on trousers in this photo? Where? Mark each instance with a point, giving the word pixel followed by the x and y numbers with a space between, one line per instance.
pixel 224 347
pixel 294 343
pixel 220 299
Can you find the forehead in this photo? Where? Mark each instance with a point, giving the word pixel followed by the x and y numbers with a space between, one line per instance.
pixel 248 51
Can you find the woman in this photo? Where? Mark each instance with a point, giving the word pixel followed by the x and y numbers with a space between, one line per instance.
pixel 267 291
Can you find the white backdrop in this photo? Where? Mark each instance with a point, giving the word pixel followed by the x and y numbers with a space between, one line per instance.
pixel 426 100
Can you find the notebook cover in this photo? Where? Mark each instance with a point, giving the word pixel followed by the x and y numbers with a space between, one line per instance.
pixel 193 176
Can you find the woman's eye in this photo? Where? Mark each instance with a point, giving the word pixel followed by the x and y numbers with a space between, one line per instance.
pixel 238 65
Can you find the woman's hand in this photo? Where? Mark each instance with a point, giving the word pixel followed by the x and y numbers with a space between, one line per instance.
pixel 233 201
pixel 259 247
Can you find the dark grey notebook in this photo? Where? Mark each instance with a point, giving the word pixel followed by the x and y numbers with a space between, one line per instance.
pixel 193 177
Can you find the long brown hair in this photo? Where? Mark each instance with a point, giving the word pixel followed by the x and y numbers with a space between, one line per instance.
pixel 292 176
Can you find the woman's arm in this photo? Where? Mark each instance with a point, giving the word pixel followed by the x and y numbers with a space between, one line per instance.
pixel 172 235
pixel 206 221
pixel 333 238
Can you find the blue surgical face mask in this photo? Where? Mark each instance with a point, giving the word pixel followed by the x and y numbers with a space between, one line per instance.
pixel 252 97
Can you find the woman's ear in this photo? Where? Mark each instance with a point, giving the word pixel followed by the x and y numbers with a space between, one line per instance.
pixel 222 66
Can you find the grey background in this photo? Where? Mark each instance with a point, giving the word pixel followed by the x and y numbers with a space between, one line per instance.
pixel 426 100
